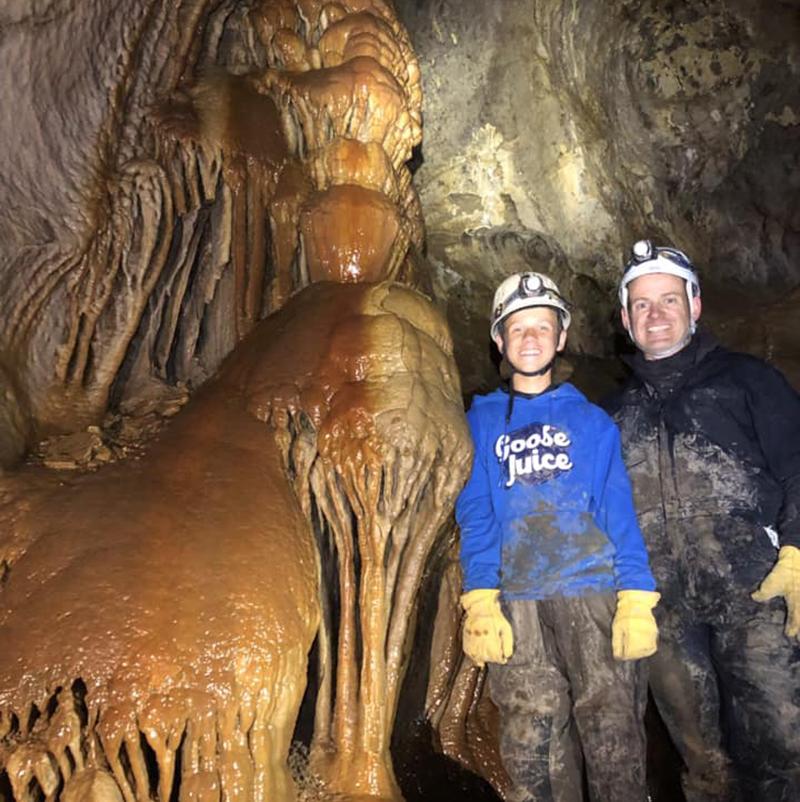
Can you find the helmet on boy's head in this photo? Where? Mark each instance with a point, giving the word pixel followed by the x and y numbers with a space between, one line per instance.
pixel 646 258
pixel 524 290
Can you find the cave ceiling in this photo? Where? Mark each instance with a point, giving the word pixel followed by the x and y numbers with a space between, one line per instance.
pixel 555 133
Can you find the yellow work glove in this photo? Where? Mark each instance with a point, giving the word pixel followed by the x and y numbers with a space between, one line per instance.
pixel 784 580
pixel 634 632
pixel 487 634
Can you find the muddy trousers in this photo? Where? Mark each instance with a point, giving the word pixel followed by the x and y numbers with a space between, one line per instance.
pixel 730 698
pixel 563 700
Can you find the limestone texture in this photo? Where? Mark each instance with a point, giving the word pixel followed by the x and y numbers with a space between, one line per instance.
pixel 559 132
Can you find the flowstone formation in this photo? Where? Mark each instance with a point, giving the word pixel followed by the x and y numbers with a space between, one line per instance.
pixel 180 179
pixel 145 650
pixel 208 178
pixel 372 434
pixel 156 616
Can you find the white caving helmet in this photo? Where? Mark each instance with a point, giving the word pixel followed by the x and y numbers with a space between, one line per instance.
pixel 523 290
pixel 647 258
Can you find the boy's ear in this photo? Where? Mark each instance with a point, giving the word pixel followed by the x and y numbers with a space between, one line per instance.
pixel 562 340
pixel 498 341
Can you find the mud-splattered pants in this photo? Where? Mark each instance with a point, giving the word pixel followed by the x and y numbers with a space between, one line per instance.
pixel 728 689
pixel 563 700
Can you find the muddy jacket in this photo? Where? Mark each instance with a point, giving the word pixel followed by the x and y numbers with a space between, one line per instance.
pixel 714 458
pixel 548 508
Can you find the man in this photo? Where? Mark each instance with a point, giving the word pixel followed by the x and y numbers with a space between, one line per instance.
pixel 711 439
pixel 547 520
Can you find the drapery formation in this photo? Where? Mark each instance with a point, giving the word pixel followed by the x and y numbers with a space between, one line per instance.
pixel 372 435
pixel 176 184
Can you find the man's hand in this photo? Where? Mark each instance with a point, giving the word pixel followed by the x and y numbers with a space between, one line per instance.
pixel 487 634
pixel 784 580
pixel 634 632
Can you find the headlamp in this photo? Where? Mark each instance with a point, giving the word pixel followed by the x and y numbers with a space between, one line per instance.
pixel 530 284
pixel 642 250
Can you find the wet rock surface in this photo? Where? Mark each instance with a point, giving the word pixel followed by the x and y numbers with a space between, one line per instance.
pixel 157 614
pixel 557 133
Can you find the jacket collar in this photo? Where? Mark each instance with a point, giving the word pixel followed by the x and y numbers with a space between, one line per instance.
pixel 680 365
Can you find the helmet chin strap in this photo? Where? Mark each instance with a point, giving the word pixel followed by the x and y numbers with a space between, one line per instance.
pixel 527 373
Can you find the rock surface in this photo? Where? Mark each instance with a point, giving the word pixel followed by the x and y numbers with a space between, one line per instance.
pixel 558 132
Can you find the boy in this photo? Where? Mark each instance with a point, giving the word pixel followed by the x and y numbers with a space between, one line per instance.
pixel 547 520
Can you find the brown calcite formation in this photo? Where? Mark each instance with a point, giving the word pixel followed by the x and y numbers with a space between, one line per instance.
pixel 349 94
pixel 198 166
pixel 347 161
pixel 350 233
pixel 136 173
pixel 147 234
pixel 156 617
pixel 167 654
pixel 367 407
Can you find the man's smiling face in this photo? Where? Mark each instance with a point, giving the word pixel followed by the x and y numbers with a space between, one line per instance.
pixel 658 314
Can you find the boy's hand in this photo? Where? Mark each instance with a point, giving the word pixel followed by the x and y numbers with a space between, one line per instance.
pixel 487 634
pixel 634 632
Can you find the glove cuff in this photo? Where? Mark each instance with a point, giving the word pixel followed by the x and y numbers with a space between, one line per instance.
pixel 479 596
pixel 646 598
pixel 790 555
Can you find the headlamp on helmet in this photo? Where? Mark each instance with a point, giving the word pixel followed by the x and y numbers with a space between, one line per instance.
pixel 642 250
pixel 525 290
pixel 647 258
pixel 530 284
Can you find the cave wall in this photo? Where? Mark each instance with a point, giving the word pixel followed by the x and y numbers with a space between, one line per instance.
pixel 557 132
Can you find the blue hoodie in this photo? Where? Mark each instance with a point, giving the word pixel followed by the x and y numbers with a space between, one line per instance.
pixel 548 509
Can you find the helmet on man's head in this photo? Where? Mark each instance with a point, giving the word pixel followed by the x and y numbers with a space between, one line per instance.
pixel 647 258
pixel 522 291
